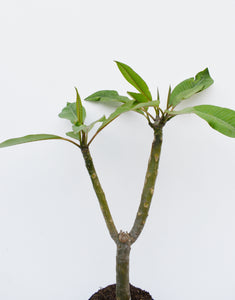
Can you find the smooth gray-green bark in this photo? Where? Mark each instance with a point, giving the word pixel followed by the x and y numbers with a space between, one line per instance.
pixel 149 184
pixel 124 240
pixel 122 267
pixel 99 192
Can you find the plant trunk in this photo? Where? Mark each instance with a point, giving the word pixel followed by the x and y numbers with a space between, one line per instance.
pixel 124 240
pixel 122 267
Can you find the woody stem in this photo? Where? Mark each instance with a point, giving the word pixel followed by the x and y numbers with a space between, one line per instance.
pixel 149 184
pixel 99 193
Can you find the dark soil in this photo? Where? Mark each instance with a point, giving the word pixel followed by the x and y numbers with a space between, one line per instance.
pixel 109 293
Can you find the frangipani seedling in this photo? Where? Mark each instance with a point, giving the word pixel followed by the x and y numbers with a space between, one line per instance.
pixel 142 102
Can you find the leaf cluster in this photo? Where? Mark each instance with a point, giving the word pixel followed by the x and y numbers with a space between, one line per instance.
pixel 140 100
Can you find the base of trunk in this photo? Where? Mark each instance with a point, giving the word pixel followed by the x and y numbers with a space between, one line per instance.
pixel 109 293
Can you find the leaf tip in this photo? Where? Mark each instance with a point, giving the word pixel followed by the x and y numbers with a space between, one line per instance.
pixel 118 63
pixel 77 91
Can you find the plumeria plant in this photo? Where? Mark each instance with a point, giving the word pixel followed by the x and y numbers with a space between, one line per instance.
pixel 141 102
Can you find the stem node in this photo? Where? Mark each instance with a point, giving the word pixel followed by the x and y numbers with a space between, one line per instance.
pixel 124 237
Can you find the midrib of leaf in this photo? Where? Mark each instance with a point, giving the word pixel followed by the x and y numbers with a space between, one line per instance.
pixel 32 138
pixel 79 108
pixel 73 113
pixel 205 115
pixel 216 119
pixel 136 84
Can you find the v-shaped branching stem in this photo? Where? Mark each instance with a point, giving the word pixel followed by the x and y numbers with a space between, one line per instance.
pixel 124 240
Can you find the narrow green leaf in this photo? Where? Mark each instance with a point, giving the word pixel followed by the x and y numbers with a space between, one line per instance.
pixel 219 118
pixel 28 138
pixel 134 79
pixel 168 96
pixel 130 106
pixel 146 104
pixel 70 113
pixel 107 96
pixel 138 97
pixel 79 108
pixel 158 94
pixel 189 87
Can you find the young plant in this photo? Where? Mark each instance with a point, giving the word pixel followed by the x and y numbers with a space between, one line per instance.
pixel 142 102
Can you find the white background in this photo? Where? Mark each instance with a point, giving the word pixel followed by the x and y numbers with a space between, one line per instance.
pixel 53 240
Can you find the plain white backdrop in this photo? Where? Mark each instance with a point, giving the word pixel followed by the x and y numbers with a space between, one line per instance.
pixel 53 240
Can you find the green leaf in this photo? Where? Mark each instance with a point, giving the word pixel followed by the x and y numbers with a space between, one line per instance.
pixel 138 97
pixel 28 138
pixel 86 128
pixel 73 135
pixel 189 87
pixel 219 118
pixel 131 105
pixel 77 129
pixel 70 113
pixel 147 104
pixel 134 79
pixel 79 108
pixel 107 96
